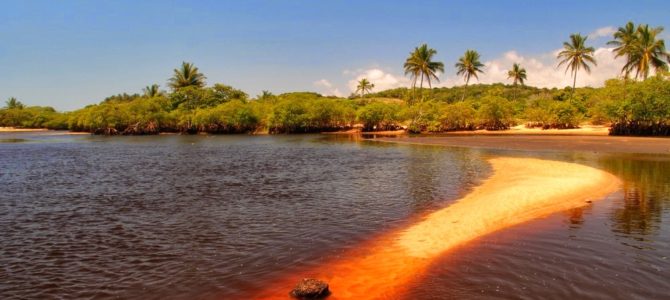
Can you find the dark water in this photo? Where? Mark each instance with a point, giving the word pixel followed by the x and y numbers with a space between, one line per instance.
pixel 216 217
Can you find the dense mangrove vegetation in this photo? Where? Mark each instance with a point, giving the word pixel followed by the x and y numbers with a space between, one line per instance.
pixel 636 103
pixel 632 107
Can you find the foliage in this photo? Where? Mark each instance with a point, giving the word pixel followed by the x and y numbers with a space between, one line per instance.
pixel 631 107
pixel 187 75
pixel 364 86
pixel 576 55
pixel 495 113
pixel 420 65
pixel 379 116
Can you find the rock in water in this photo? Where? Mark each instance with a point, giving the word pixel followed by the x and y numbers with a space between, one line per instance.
pixel 310 288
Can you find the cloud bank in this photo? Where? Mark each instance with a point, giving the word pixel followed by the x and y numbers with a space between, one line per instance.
pixel 326 88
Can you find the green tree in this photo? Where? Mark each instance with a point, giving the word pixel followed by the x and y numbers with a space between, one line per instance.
pixel 185 76
pixel 420 65
pixel 364 86
pixel 12 103
pixel 624 41
pixel 518 75
pixel 648 51
pixel 576 55
pixel 469 66
pixel 151 90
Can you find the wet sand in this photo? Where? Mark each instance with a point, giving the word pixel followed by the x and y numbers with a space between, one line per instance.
pixel 523 130
pixel 589 143
pixel 520 190
pixel 41 131
pixel 12 129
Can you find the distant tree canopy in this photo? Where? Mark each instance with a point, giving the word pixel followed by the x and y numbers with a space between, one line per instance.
pixel 632 107
pixel 638 106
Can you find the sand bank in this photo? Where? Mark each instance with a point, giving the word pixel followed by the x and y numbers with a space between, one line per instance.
pixel 522 130
pixel 604 144
pixel 520 190
pixel 12 129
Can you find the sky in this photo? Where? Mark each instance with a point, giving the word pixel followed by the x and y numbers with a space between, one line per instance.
pixel 69 54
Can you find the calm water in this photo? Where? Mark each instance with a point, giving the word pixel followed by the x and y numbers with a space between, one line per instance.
pixel 217 217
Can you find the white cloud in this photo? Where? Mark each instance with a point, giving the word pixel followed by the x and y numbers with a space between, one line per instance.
pixel 542 70
pixel 327 88
pixel 602 32
pixel 381 79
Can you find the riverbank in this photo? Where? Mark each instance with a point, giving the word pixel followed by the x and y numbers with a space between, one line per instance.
pixel 13 129
pixel 520 190
pixel 592 130
pixel 528 142
pixel 41 131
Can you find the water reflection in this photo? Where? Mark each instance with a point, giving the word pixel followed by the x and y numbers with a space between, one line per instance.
pixel 646 195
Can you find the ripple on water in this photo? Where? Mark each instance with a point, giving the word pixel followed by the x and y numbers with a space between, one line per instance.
pixel 183 217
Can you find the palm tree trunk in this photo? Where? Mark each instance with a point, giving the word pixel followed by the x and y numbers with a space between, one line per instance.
pixel 574 82
pixel 414 88
pixel 421 87
pixel 465 88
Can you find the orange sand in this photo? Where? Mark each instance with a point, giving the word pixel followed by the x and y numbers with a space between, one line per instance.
pixel 520 190
pixel 12 129
pixel 522 130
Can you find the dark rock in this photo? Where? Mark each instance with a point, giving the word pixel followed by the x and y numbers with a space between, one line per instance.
pixel 310 288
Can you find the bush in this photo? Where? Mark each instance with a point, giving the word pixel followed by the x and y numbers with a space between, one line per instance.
pixel 458 116
pixel 379 116
pixel 495 113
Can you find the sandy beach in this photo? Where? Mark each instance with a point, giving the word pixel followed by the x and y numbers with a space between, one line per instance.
pixel 41 131
pixel 597 130
pixel 12 129
pixel 530 142
pixel 520 190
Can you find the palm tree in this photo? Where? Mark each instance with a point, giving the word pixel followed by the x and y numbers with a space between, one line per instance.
pixel 420 64
pixel 151 90
pixel 187 75
pixel 468 66
pixel 13 103
pixel 517 74
pixel 575 56
pixel 364 86
pixel 647 52
pixel 624 41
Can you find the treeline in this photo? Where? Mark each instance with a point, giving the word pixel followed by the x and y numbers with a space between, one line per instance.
pixel 631 107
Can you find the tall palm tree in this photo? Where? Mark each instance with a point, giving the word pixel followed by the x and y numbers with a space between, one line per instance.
pixel 469 66
pixel 624 41
pixel 576 55
pixel 420 65
pixel 364 86
pixel 647 52
pixel 187 75
pixel 151 90
pixel 13 103
pixel 517 74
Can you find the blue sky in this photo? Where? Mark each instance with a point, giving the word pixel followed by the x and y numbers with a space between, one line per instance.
pixel 68 54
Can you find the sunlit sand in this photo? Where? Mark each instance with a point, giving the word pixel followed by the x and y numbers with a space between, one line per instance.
pixel 520 190
pixel 12 129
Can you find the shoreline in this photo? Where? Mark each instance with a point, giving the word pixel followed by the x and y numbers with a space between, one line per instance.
pixel 519 190
pixel 14 129
pixel 551 143
pixel 29 130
